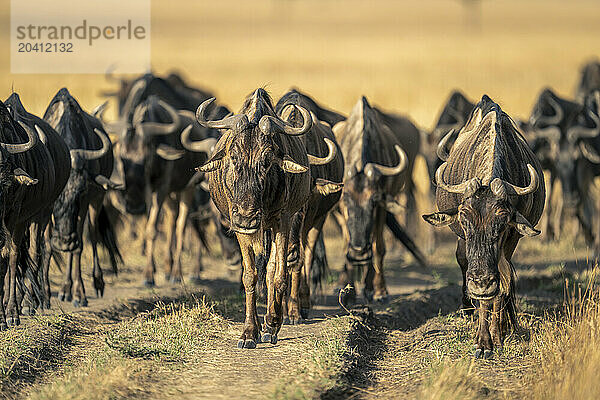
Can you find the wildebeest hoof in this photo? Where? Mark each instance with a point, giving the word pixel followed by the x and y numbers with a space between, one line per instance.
pixel 196 280
pixel 487 354
pixel 175 279
pixel 304 313
pixel 368 295
pixel 13 321
pixel 3 326
pixel 286 321
pixel 149 283
pixel 381 299
pixel 65 297
pixel 478 353
pixel 296 321
pixel 82 303
pixel 30 311
pixel 269 338
pixel 246 344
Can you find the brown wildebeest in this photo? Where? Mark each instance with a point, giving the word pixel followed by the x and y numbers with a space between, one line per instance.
pixel 490 191
pixel 379 152
pixel 308 222
pixel 259 177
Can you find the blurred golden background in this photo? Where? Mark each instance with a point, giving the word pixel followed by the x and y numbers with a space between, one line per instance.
pixel 403 55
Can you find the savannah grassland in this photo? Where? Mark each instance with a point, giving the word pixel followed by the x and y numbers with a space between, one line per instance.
pixel 405 57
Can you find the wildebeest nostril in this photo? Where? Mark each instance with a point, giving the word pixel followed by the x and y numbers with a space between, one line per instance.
pixel 485 286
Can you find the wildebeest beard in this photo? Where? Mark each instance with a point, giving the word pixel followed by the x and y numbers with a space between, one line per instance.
pixel 6 180
pixel 485 221
pixel 253 184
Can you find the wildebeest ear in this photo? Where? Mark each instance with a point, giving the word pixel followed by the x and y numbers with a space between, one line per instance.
pixel 325 187
pixel 442 218
pixel 523 226
pixel 23 177
pixel 291 166
pixel 214 162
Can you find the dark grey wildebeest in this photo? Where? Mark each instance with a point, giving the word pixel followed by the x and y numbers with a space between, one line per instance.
pixel 155 162
pixel 559 153
pixel 27 187
pixel 82 199
pixel 307 223
pixel 259 176
pixel 490 191
pixel 38 231
pixel 379 152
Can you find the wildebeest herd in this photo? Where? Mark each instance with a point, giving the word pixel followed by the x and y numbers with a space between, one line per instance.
pixel 269 175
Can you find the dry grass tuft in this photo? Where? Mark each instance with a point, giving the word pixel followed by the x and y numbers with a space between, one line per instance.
pixel 170 332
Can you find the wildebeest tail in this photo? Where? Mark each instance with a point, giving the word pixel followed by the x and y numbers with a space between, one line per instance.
pixel 401 235
pixel 27 270
pixel 108 239
pixel 320 268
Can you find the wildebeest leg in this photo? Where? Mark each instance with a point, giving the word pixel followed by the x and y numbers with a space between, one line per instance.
pixel 546 223
pixel 79 300
pixel 3 275
pixel 185 203
pixel 151 228
pixel 45 268
pixel 170 220
pixel 310 240
pixel 381 293
pixel 585 209
pixel 12 307
pixel 250 334
pixel 461 257
pixel 97 276
pixel 65 293
pixel 295 256
pixel 483 340
pixel 274 316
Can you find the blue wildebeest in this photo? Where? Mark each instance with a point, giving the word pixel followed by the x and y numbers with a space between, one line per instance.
pixel 38 232
pixel 91 164
pixel 490 192
pixel 559 153
pixel 27 187
pixel 379 152
pixel 307 223
pixel 259 177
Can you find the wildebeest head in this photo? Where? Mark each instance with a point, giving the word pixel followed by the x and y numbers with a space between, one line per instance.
pixel 364 196
pixel 556 148
pixel 486 213
pixel 140 149
pixel 11 176
pixel 252 161
pixel 74 125
pixel 453 117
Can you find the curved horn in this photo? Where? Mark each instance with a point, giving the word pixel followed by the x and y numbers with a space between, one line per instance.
pixel 41 135
pixel 395 170
pixel 269 124
pixel 439 180
pixel 578 132
pixel 314 160
pixel 442 151
pixel 554 120
pixel 200 146
pixel 501 188
pixel 157 128
pixel 106 183
pixel 99 110
pixel 93 154
pixel 23 147
pixel 589 152
pixel 225 123
pixel 133 97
